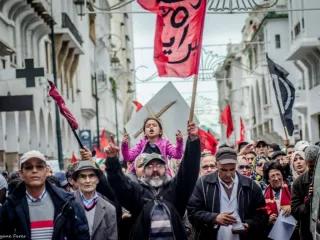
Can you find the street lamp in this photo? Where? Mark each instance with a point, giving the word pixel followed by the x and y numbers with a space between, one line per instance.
pixel 115 61
pixel 80 5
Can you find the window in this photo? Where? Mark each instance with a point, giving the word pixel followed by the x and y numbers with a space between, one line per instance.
pixel 3 63
pixel 92 27
pixel 48 56
pixel 277 40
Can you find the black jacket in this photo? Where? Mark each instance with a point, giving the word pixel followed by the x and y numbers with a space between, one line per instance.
pixel 204 207
pixel 300 206
pixel 70 222
pixel 139 198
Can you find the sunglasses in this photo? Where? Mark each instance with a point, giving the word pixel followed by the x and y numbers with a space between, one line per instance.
pixel 244 167
pixel 38 167
pixel 206 167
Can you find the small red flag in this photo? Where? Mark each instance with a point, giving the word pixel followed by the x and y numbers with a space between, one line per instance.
pixel 137 104
pixel 53 92
pixel 100 154
pixel 242 132
pixel 208 141
pixel 74 159
pixel 103 139
pixel 178 36
pixel 226 120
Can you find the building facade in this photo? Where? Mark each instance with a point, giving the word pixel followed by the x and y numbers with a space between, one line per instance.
pixel 85 74
pixel 246 84
pixel 304 52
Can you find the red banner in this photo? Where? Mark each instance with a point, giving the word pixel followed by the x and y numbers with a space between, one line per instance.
pixel 53 92
pixel 226 120
pixel 178 37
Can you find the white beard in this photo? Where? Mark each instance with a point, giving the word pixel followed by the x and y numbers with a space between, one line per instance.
pixel 156 181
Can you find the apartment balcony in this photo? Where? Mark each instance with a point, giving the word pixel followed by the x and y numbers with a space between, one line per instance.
pixel 303 46
pixel 68 32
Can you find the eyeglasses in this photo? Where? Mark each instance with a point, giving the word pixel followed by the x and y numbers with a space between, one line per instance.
pixel 244 167
pixel 85 176
pixel 206 167
pixel 153 166
pixel 38 167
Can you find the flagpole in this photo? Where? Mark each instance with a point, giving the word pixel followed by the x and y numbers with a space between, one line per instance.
pixel 77 137
pixel 193 99
pixel 278 103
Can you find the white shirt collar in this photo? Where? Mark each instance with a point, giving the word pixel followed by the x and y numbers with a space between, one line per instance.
pixel 39 199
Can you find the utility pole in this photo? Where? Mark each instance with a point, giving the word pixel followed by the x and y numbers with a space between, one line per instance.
pixel 54 71
pixel 97 108
pixel 115 97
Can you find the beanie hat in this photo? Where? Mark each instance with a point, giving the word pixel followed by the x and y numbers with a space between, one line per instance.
pixel 226 155
pixel 312 153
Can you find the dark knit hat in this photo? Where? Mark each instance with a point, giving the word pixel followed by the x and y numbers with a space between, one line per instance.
pixel 277 153
pixel 226 155
pixel 312 153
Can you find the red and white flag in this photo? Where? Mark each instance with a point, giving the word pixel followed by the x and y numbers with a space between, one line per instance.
pixel 178 36
pixel 226 120
pixel 54 93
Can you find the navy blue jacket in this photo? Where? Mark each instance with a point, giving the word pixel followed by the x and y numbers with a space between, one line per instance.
pixel 70 222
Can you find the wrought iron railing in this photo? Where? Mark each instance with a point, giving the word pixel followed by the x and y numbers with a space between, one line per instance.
pixel 67 23
pixel 239 5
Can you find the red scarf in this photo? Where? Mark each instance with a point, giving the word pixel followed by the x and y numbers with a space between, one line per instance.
pixel 271 204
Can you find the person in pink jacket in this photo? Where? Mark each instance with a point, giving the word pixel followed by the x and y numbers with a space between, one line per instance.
pixel 152 142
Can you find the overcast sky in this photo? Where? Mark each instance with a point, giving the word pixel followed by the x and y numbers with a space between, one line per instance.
pixel 219 29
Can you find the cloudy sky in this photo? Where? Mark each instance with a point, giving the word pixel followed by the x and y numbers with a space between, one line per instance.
pixel 219 30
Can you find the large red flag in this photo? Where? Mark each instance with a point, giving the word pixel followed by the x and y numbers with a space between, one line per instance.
pixel 208 141
pixel 137 104
pixel 242 132
pixel 178 36
pixel 226 120
pixel 53 92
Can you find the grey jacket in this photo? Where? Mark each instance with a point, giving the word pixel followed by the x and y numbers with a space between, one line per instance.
pixel 105 219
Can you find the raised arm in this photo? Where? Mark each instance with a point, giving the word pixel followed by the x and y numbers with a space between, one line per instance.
pixel 177 150
pixel 130 154
pixel 188 172
pixel 127 192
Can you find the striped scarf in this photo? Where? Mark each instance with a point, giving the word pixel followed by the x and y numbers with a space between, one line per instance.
pixel 271 205
pixel 161 228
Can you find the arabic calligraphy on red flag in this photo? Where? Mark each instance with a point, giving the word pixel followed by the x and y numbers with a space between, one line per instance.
pixel 178 37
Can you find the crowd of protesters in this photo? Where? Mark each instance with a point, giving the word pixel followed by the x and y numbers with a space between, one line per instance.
pixel 236 193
